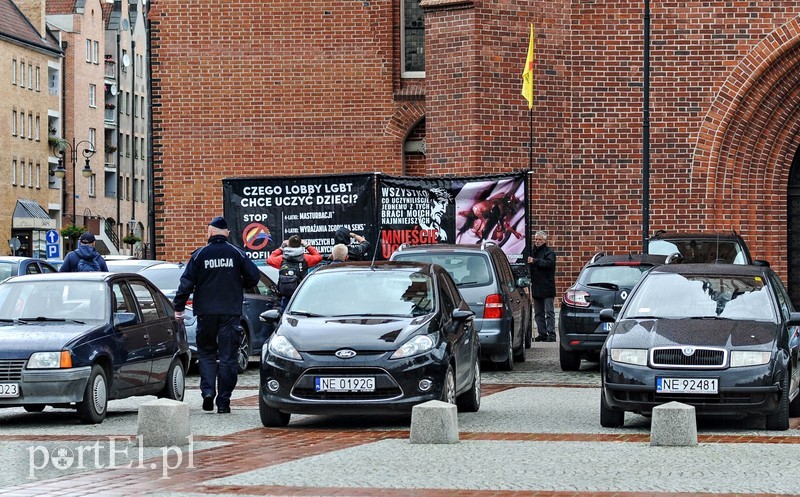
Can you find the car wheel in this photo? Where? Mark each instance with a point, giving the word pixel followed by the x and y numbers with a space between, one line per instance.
pixel 780 419
pixel 92 409
pixel 243 359
pixel 508 363
pixel 569 360
pixel 449 388
pixel 176 381
pixel 608 417
pixel 270 417
pixel 34 407
pixel 470 401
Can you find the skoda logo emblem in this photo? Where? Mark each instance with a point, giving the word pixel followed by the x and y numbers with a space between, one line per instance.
pixel 345 353
pixel 623 294
pixel 688 351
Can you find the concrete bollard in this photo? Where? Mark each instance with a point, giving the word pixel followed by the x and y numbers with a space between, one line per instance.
pixel 434 422
pixel 673 424
pixel 164 423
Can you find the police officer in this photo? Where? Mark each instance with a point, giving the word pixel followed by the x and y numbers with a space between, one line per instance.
pixel 217 274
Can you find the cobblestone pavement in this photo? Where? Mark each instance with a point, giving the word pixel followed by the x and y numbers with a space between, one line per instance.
pixel 537 433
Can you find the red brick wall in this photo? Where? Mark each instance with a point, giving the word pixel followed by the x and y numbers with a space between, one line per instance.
pixel 304 87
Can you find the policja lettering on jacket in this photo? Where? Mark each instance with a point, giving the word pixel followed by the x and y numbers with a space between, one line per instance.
pixel 212 263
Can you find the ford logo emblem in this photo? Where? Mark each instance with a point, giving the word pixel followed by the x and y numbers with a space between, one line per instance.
pixel 345 353
pixel 688 351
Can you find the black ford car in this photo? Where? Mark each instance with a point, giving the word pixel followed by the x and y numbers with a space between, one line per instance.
pixel 721 337
pixel 361 338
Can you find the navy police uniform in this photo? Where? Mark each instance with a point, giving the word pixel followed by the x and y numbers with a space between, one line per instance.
pixel 217 275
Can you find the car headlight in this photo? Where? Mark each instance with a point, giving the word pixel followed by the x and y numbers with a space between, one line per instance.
pixel 49 360
pixel 282 347
pixel 637 357
pixel 415 346
pixel 740 358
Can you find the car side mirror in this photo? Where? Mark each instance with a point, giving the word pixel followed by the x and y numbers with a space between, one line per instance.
pixel 794 319
pixel 124 319
pixel 523 282
pixel 270 315
pixel 462 315
pixel 607 316
pixel 761 262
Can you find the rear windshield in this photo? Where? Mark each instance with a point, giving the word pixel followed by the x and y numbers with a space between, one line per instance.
pixel 466 269
pixel 699 251
pixel 621 276
pixel 668 295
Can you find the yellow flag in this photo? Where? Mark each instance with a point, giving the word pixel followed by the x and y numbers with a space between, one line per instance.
pixel 527 74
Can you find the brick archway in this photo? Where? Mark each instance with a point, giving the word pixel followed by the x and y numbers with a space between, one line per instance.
pixel 747 143
pixel 403 122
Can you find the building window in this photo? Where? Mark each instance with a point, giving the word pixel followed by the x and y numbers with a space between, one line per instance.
pixel 37 124
pixel 14 71
pixel 93 137
pixel 92 95
pixel 38 175
pixel 412 40
pixel 21 176
pixel 96 52
pixel 30 174
pixel 124 56
pixel 30 76
pixel 88 50
pixel 14 172
pixel 127 188
pixel 38 79
pixel 92 185
pixel 13 123
pixel 22 74
pixel 30 126
pixel 22 124
pixel 127 103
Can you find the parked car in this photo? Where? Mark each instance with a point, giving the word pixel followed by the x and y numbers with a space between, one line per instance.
pixel 702 247
pixel 484 277
pixel 723 338
pixel 363 338
pixel 77 340
pixel 56 263
pixel 264 296
pixel 605 281
pixel 14 266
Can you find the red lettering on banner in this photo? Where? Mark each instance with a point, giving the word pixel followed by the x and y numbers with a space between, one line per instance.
pixel 392 239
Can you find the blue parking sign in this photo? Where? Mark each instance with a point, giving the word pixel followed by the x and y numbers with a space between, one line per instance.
pixel 53 251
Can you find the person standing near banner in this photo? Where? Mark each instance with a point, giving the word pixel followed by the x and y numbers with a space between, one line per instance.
pixel 355 251
pixel 543 287
pixel 292 260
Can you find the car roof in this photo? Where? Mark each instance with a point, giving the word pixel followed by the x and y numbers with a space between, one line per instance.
pixel 16 258
pixel 714 269
pixel 603 259
pixel 680 235
pixel 448 247
pixel 379 266
pixel 78 275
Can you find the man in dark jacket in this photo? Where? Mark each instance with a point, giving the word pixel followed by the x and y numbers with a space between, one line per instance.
pixel 543 287
pixel 355 251
pixel 217 274
pixel 85 257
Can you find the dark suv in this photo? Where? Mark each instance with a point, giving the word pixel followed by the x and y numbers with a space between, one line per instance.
pixel 485 279
pixel 604 282
pixel 702 247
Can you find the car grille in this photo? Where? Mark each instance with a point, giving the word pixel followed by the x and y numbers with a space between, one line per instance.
pixel 11 370
pixel 700 357
pixel 385 386
pixel 652 399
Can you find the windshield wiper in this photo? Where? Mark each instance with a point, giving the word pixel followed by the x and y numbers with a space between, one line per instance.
pixel 42 318
pixel 610 286
pixel 5 320
pixel 305 313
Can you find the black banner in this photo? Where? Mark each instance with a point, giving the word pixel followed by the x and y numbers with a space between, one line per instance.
pixel 465 210
pixel 262 212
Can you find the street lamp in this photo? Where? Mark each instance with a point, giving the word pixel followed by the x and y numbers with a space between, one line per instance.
pixel 61 149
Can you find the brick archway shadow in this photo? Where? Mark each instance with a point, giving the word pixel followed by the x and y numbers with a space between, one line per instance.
pixel 747 143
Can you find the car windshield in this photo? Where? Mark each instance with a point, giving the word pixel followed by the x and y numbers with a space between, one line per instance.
pixel 466 270
pixel 360 293
pixel 621 276
pixel 700 250
pixel 164 279
pixel 7 269
pixel 61 300
pixel 677 296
